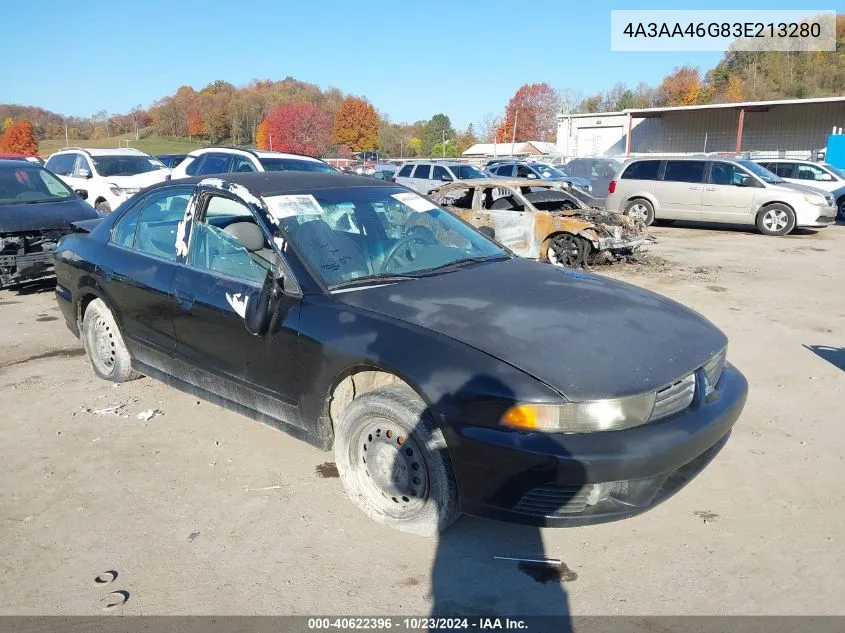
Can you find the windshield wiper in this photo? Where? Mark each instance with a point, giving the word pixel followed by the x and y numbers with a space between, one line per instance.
pixel 459 263
pixel 371 280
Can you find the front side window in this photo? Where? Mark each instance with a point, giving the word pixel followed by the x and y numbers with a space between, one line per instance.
pixel 811 172
pixel 640 170
pixel 82 164
pixel 229 242
pixel 467 172
pixel 296 164
pixel 214 164
pixel 350 235
pixel 684 171
pixel 547 171
pixel 726 174
pixel 119 165
pixel 440 173
pixel 523 171
pixel 504 170
pixel 150 225
pixel 27 184
pixel 242 164
pixel 761 172
pixel 61 164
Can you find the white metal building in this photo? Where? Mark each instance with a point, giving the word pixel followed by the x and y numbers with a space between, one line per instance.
pixel 789 128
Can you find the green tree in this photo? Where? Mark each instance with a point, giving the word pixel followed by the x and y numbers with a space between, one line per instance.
pixel 451 150
pixel 434 131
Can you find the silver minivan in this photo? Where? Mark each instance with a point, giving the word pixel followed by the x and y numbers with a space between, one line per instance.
pixel 716 189
pixel 425 175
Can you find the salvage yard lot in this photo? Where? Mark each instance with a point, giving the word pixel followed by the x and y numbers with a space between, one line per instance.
pixel 203 511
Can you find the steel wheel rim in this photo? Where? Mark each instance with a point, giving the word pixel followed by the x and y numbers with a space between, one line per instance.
pixel 775 219
pixel 565 251
pixel 638 212
pixel 841 210
pixel 390 467
pixel 101 345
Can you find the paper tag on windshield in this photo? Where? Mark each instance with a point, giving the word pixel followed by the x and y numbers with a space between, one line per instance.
pixel 289 206
pixel 416 202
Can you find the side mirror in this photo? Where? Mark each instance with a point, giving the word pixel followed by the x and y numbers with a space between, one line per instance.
pixel 83 173
pixel 532 176
pixel 446 178
pixel 826 177
pixel 487 231
pixel 82 193
pixel 261 306
pixel 745 181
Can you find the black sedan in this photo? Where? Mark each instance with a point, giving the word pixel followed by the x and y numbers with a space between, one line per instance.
pixel 446 373
pixel 36 210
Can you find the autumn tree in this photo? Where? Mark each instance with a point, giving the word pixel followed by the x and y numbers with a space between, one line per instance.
pixel 19 139
pixel 300 128
pixel 733 92
pixel 533 110
pixel 466 139
pixel 356 125
pixel 262 140
pixel 681 87
pixel 196 126
pixel 7 123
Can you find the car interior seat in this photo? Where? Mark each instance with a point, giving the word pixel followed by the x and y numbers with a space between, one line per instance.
pixel 336 256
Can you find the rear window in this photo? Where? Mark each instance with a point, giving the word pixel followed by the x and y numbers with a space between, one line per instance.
pixel 405 172
pixel 684 171
pixel 641 170
pixel 422 171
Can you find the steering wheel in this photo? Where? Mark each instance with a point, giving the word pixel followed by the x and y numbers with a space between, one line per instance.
pixel 407 242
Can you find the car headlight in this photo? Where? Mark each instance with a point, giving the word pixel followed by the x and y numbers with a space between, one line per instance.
pixel 713 369
pixel 131 191
pixel 813 198
pixel 581 417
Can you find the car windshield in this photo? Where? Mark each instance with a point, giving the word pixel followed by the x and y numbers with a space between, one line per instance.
pixel 369 235
pixel 295 164
pixel 836 170
pixel 547 171
pixel 761 172
pixel 467 172
pixel 22 183
pixel 108 166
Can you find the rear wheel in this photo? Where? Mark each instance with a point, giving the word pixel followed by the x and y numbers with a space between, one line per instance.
pixel 776 219
pixel 393 462
pixel 640 209
pixel 567 250
pixel 104 344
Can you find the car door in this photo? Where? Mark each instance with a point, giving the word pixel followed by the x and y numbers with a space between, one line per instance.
pixel 680 192
pixel 421 178
pixel 82 173
pixel 440 175
pixel 137 272
pixel 62 165
pixel 725 198
pixel 228 260
pixel 513 224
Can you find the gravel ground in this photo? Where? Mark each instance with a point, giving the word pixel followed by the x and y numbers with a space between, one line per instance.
pixel 200 510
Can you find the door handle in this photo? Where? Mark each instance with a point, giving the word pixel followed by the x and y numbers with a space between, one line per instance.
pixel 710 188
pixel 695 188
pixel 185 299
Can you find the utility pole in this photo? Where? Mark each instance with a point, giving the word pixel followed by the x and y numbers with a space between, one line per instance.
pixel 513 136
pixel 67 143
pixel 443 142
pixel 271 141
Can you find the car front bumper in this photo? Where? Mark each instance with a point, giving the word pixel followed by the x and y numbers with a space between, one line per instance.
pixel 580 479
pixel 813 216
pixel 17 269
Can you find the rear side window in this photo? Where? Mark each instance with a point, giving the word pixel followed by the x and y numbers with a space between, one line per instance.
pixel 684 171
pixel 422 171
pixel 192 167
pixel 61 164
pixel 405 172
pixel 784 170
pixel 242 164
pixel 504 170
pixel 640 170
pixel 150 226
pixel 215 164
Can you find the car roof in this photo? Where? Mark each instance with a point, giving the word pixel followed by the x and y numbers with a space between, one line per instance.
pixel 273 183
pixel 254 152
pixel 95 151
pixel 517 183
pixel 785 160
pixel 18 162
pixel 731 159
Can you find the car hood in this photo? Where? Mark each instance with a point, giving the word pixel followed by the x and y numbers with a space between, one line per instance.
pixel 44 216
pixel 584 335
pixel 575 180
pixel 792 186
pixel 139 180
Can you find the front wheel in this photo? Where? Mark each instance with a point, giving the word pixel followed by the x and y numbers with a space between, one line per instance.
pixel 840 209
pixel 640 209
pixel 393 462
pixel 566 250
pixel 104 344
pixel 776 219
pixel 103 207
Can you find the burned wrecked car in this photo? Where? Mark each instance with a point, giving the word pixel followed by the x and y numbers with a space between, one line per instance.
pixel 36 209
pixel 446 374
pixel 539 221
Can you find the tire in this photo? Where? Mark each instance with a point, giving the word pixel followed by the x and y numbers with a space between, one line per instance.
pixel 776 219
pixel 840 209
pixel 104 344
pixel 640 209
pixel 565 250
pixel 409 483
pixel 103 207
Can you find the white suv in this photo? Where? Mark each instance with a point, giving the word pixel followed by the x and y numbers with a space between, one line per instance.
pixel 109 176
pixel 223 160
pixel 806 172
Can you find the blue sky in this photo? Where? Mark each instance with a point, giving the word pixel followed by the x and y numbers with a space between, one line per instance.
pixel 410 58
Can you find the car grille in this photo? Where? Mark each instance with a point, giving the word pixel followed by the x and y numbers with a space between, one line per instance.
pixel 674 398
pixel 550 501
